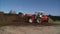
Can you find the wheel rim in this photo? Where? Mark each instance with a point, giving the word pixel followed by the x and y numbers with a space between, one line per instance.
pixel 30 20
pixel 38 21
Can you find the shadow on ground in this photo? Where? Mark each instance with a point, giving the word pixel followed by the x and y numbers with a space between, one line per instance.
pixel 30 24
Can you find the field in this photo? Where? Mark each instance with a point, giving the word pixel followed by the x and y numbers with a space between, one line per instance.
pixel 30 29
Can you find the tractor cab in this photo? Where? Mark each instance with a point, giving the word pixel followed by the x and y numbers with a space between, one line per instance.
pixel 38 14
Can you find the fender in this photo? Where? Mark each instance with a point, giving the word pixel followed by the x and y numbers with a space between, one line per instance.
pixel 44 18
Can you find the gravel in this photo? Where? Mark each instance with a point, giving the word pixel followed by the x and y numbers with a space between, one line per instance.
pixel 30 29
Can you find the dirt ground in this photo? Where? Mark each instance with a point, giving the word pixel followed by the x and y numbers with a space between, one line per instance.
pixel 30 29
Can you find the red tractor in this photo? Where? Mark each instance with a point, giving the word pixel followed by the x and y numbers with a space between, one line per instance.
pixel 38 17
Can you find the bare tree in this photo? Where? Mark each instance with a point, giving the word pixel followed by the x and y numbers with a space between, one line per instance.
pixel 12 12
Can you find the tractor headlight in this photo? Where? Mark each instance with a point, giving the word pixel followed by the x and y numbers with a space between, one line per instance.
pixel 40 15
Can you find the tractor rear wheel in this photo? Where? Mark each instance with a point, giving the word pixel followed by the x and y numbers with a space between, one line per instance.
pixel 29 19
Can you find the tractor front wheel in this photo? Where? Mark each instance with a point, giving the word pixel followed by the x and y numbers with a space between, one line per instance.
pixel 39 20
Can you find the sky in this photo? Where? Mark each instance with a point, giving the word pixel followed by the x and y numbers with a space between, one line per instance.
pixel 31 6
